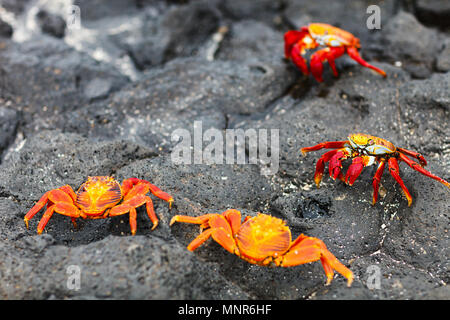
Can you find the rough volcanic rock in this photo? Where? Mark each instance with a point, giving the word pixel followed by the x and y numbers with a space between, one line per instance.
pixel 120 95
pixel 51 24
pixel 433 12
pixel 45 76
pixel 6 30
pixel 9 121
pixel 155 269
pixel 415 46
pixel 165 34
pixel 173 97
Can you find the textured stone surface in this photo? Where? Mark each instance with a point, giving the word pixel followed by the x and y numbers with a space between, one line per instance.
pixel 107 99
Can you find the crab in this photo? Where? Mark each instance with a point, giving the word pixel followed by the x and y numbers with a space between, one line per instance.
pixel 336 42
pixel 98 198
pixel 366 150
pixel 263 240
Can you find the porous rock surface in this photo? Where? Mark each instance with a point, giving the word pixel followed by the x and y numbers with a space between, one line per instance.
pixel 106 99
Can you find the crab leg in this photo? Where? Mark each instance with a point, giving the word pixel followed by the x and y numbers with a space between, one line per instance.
pixel 376 180
pixel 36 208
pixel 199 240
pixel 44 220
pixel 63 208
pixel 309 249
pixel 413 154
pixel 137 197
pixel 395 172
pixel 325 145
pixel 419 168
pixel 130 205
pixel 220 231
pixel 202 220
pixel 57 200
pixel 318 57
pixel 354 54
pixel 234 219
pixel 128 184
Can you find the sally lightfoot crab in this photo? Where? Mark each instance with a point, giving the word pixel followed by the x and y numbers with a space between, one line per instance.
pixel 366 150
pixel 99 198
pixel 336 42
pixel 263 240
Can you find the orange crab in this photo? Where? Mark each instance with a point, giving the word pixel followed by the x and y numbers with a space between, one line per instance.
pixel 99 198
pixel 366 150
pixel 336 42
pixel 263 240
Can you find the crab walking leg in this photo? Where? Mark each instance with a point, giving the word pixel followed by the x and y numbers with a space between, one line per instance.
pixel 318 57
pixel 194 220
pixel 413 154
pixel 44 220
pixel 161 194
pixel 234 219
pixel 68 189
pixel 36 208
pixel 329 272
pixel 354 54
pixel 58 200
pixel 136 197
pixel 325 145
pixel 133 222
pixel 419 168
pixel 377 179
pixel 310 249
pixel 197 242
pixel 151 212
pixel 395 172
pixel 130 206
pixel 129 183
pixel 63 208
pixel 220 231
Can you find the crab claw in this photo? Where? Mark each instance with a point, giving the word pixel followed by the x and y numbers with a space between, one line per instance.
pixel 354 170
pixel 335 165
pixel 291 38
pixel 320 166
pixel 294 48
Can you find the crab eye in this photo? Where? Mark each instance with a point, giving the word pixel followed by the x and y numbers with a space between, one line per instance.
pixel 370 142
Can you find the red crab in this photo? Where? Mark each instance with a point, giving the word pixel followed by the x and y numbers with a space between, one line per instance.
pixel 336 42
pixel 263 240
pixel 99 198
pixel 366 150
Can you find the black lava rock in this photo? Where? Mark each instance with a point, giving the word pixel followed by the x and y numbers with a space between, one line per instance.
pixel 120 94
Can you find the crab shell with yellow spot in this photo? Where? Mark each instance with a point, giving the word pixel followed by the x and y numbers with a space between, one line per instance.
pixel 334 42
pixel 365 150
pixel 263 240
